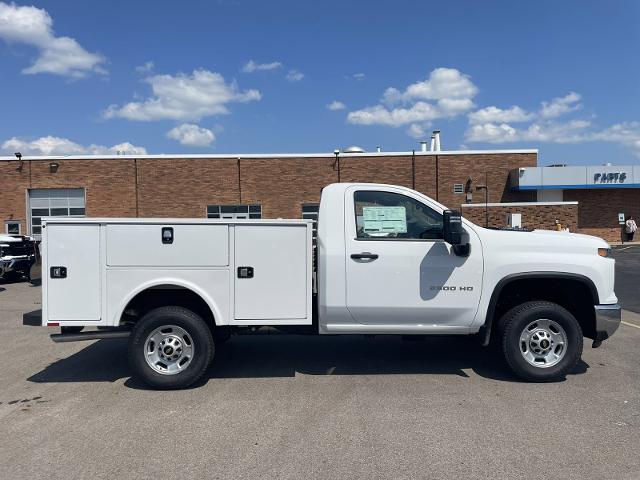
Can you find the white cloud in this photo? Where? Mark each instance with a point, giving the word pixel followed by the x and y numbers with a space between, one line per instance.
pixel 492 133
pixel 379 115
pixel 51 145
pixel 573 131
pixel 57 55
pixel 184 97
pixel 417 131
pixel 446 93
pixel 494 115
pixel 192 135
pixel 355 76
pixel 252 66
pixel 336 105
pixel 294 75
pixel 146 67
pixel 443 83
pixel 560 106
pixel 124 148
pixel 625 133
pixel 494 125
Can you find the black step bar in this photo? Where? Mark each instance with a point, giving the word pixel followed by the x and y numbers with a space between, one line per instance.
pixel 91 335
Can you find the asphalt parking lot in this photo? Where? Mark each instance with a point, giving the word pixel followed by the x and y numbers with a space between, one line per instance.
pixel 628 276
pixel 313 407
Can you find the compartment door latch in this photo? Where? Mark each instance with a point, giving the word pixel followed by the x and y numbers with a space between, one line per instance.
pixel 58 272
pixel 245 272
pixel 167 235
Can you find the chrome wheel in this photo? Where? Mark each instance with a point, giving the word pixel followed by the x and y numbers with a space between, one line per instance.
pixel 543 343
pixel 169 349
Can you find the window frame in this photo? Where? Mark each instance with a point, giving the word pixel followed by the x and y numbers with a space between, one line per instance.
pixel 388 239
pixel 12 222
pixel 251 209
pixel 30 208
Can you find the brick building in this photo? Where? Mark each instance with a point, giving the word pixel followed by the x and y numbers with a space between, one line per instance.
pixel 287 186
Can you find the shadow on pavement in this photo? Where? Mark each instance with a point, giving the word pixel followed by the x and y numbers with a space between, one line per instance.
pixel 285 355
pixel 11 281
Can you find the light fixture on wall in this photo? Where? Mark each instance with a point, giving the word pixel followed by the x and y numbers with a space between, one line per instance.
pixel 19 157
pixel 486 203
pixel 53 167
pixel 468 190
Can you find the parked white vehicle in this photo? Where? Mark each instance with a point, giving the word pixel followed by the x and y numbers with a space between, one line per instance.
pixel 389 260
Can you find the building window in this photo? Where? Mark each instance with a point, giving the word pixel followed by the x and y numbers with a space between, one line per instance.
pixel 54 202
pixel 458 188
pixel 234 212
pixel 12 228
pixel 310 212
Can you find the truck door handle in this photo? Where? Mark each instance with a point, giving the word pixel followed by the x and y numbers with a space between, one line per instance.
pixel 364 255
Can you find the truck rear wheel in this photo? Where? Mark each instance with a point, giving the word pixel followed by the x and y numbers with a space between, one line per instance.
pixel 170 348
pixel 541 341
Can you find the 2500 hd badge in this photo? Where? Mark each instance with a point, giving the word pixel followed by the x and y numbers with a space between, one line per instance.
pixel 451 288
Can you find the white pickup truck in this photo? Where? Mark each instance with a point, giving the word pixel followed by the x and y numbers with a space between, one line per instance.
pixel 388 260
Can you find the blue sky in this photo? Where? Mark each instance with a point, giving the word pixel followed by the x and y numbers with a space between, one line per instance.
pixel 175 77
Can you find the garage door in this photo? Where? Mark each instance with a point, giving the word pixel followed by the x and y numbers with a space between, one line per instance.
pixel 54 202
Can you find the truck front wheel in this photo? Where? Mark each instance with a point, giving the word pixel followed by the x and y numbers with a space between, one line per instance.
pixel 541 341
pixel 170 348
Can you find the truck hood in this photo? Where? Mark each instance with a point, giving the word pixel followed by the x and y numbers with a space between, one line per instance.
pixel 14 239
pixel 508 252
pixel 573 237
pixel 541 239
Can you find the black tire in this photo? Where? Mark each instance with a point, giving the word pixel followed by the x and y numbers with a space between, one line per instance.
pixel 513 324
pixel 198 331
pixel 11 277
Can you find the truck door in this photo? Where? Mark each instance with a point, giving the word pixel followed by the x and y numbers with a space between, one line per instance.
pixel 399 270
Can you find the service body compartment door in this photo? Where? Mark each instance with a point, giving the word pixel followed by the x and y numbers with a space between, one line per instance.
pixel 272 276
pixel 75 293
pixel 130 245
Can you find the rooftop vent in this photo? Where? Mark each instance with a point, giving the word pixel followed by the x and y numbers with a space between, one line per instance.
pixel 353 149
pixel 436 140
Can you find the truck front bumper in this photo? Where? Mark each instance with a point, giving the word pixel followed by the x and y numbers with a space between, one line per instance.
pixel 608 318
pixel 17 265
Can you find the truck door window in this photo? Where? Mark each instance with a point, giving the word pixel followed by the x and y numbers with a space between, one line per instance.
pixel 387 215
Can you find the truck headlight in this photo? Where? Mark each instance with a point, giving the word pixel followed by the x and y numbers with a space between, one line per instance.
pixel 604 252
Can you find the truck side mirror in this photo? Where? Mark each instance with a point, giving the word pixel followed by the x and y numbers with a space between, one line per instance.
pixel 454 233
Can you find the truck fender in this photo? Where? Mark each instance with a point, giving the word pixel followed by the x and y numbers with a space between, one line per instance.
pixel 215 311
pixel 485 330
